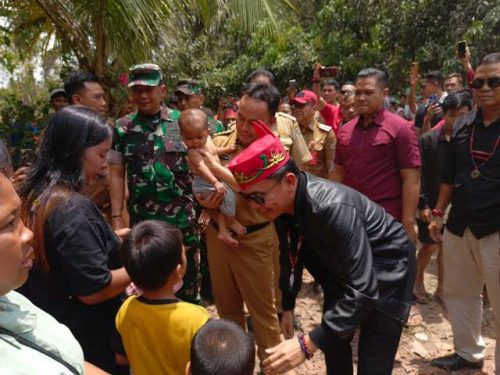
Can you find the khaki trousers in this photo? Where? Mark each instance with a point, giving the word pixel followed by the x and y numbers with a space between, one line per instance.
pixel 469 264
pixel 246 275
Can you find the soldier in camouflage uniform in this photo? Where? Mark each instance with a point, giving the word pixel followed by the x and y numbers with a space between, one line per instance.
pixel 149 146
pixel 189 94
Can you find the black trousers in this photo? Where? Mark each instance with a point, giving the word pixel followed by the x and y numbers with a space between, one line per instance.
pixel 378 343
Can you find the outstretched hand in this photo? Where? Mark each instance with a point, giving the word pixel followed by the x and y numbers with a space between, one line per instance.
pixel 283 357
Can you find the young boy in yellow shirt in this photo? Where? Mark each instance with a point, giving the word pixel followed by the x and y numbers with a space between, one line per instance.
pixel 157 328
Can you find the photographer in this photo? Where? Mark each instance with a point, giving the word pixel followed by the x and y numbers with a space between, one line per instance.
pixel 429 115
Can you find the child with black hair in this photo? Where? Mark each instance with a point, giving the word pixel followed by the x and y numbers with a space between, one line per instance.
pixel 156 328
pixel 221 347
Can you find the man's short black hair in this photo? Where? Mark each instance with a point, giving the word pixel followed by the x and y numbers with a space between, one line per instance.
pixel 379 76
pixel 458 76
pixel 289 167
pixel 75 82
pixel 457 100
pixel 435 77
pixel 492 58
pixel 151 252
pixel 260 72
pixel 264 92
pixel 221 347
pixel 331 82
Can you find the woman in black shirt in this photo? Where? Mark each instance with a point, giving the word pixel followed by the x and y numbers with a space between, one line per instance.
pixel 77 276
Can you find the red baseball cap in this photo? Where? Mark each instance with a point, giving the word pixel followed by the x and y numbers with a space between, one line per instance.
pixel 260 159
pixel 304 97
pixel 229 113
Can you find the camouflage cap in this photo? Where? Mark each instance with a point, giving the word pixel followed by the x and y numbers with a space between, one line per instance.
pixel 188 87
pixel 57 92
pixel 145 75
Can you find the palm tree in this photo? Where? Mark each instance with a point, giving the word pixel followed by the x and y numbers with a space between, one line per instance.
pixel 106 36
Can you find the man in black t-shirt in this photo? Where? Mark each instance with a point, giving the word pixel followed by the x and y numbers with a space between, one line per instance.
pixel 471 241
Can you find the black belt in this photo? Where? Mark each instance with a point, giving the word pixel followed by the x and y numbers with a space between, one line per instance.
pixel 250 229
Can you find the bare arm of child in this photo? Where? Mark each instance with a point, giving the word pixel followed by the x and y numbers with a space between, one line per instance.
pixel 201 169
pixel 226 150
pixel 212 161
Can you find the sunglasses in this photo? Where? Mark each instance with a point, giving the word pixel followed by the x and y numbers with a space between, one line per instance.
pixel 257 197
pixel 478 83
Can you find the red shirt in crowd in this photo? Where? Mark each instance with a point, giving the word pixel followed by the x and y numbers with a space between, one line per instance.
pixel 332 116
pixel 439 125
pixel 372 157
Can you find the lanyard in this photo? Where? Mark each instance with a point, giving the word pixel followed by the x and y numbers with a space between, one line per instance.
pixel 293 259
pixel 480 155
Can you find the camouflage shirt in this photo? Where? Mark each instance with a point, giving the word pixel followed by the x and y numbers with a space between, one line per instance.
pixel 159 180
pixel 215 126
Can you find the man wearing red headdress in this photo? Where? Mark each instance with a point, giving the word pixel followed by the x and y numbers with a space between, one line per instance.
pixel 367 267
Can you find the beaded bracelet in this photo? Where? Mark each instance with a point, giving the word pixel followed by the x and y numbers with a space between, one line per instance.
pixel 303 346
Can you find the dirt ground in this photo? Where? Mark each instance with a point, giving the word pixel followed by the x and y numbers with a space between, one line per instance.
pixel 433 338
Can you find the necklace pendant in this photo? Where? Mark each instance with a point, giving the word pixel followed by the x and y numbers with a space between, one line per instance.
pixel 292 279
pixel 475 173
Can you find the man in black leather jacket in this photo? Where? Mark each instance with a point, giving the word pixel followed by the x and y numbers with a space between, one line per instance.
pixel 363 259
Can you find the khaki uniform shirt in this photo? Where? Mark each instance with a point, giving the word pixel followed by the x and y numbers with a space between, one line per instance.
pixel 320 140
pixel 285 127
pixel 288 130
pixel 244 212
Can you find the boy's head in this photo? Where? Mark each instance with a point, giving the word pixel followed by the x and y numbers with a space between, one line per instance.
pixel 221 347
pixel 153 254
pixel 193 123
pixel 456 104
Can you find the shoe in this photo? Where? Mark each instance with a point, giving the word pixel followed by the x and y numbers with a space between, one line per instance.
pixel 454 362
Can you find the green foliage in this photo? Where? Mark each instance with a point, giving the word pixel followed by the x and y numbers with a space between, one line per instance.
pixel 354 34
pixel 221 41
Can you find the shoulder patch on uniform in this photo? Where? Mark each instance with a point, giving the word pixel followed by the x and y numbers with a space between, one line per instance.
pixel 225 132
pixel 324 127
pixel 285 115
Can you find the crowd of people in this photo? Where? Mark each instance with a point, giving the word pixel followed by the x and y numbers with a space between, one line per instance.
pixel 115 234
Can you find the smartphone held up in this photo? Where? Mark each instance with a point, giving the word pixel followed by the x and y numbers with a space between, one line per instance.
pixel 329 71
pixel 461 49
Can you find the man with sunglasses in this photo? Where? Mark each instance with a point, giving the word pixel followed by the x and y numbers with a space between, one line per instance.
pixel 366 264
pixel 471 241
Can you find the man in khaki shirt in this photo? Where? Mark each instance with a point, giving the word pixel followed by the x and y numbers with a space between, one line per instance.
pixel 247 275
pixel 319 138
pixel 283 125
